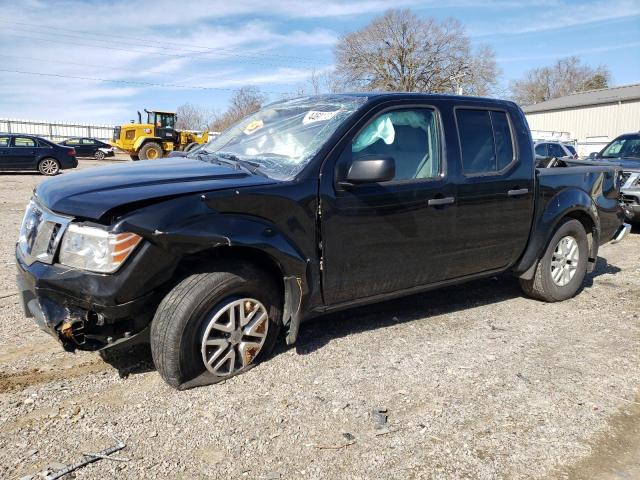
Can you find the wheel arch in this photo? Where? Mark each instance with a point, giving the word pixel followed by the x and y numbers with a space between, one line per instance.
pixel 569 203
pixel 140 142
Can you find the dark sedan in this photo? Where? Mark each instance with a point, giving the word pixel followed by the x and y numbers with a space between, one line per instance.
pixel 26 152
pixel 89 147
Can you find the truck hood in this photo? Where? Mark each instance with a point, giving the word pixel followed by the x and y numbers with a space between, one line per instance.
pixel 93 192
pixel 627 164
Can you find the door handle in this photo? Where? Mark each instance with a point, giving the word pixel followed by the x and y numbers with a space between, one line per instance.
pixel 518 192
pixel 435 202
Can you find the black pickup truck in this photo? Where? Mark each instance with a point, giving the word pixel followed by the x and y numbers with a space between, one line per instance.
pixel 307 206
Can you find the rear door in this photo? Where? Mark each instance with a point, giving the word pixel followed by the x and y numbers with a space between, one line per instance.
pixel 495 191
pixel 88 147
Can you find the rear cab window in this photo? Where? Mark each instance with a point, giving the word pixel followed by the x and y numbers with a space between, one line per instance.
pixel 486 141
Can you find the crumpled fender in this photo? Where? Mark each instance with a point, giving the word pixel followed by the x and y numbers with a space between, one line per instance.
pixel 557 207
pixel 166 225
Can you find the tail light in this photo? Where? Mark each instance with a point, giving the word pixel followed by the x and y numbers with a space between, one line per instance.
pixel 72 152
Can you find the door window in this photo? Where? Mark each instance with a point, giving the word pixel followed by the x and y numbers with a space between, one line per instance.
pixel 485 140
pixel 4 142
pixel 541 149
pixel 24 142
pixel 73 141
pixel 410 137
pixel 88 141
pixel 556 151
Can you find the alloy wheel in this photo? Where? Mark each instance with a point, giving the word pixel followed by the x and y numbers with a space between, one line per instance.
pixel 49 167
pixel 564 262
pixel 234 336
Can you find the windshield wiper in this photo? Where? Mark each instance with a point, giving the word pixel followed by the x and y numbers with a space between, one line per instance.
pixel 230 159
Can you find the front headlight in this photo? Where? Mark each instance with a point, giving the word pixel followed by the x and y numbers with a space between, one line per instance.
pixel 95 249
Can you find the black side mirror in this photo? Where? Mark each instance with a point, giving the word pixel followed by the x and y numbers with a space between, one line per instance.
pixel 370 169
pixel 593 155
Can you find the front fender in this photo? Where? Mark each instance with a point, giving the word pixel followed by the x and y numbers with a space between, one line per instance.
pixel 203 229
pixel 570 202
pixel 140 140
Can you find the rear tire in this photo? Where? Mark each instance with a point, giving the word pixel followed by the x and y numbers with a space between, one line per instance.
pixel 190 146
pixel 184 326
pixel 49 167
pixel 563 266
pixel 99 155
pixel 150 151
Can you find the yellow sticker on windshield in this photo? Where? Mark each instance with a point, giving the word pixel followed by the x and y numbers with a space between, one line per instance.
pixel 253 126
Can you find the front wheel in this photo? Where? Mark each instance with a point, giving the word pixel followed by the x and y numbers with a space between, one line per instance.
pixel 49 167
pixel 563 266
pixel 150 151
pixel 215 325
pixel 99 155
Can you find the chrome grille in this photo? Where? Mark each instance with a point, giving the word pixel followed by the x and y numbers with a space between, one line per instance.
pixel 40 233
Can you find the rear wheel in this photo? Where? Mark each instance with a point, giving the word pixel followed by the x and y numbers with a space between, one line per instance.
pixel 190 146
pixel 49 166
pixel 562 268
pixel 99 155
pixel 215 325
pixel 150 151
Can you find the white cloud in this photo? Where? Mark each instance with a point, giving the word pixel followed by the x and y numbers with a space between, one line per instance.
pixel 564 15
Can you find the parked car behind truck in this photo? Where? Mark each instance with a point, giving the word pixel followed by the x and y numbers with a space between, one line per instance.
pixel 624 152
pixel 21 152
pixel 308 206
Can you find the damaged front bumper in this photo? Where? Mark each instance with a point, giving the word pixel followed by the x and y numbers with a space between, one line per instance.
pixel 80 322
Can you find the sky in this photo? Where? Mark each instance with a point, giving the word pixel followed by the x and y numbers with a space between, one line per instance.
pixel 99 61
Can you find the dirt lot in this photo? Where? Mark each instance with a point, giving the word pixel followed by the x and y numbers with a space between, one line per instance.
pixel 478 383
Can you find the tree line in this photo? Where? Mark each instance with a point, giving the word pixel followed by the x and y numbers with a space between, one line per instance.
pixel 399 51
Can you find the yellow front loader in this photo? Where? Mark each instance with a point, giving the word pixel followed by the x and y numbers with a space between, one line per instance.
pixel 156 138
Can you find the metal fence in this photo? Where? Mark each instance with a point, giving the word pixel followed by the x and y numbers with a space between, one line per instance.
pixel 56 131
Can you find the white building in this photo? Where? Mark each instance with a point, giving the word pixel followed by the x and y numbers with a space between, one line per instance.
pixel 588 119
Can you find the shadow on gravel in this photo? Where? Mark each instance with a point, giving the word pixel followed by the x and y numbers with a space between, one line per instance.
pixel 129 361
pixel 318 332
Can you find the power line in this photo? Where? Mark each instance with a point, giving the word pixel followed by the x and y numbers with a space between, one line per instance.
pixel 207 50
pixel 132 82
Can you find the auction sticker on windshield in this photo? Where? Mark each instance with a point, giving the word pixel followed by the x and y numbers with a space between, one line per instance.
pixel 317 116
pixel 253 126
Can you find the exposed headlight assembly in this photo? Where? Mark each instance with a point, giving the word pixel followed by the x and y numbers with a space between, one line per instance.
pixel 95 249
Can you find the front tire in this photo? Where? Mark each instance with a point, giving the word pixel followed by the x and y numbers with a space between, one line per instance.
pixel 563 266
pixel 135 158
pixel 150 151
pixel 99 155
pixel 217 323
pixel 49 167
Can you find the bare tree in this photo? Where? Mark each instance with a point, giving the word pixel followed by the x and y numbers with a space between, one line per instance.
pixel 192 117
pixel 566 76
pixel 400 52
pixel 244 101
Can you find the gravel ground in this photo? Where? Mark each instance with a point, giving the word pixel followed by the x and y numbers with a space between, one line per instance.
pixel 477 382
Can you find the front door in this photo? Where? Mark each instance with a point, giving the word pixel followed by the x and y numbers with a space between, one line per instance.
pixel 23 153
pixel 388 237
pixel 6 160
